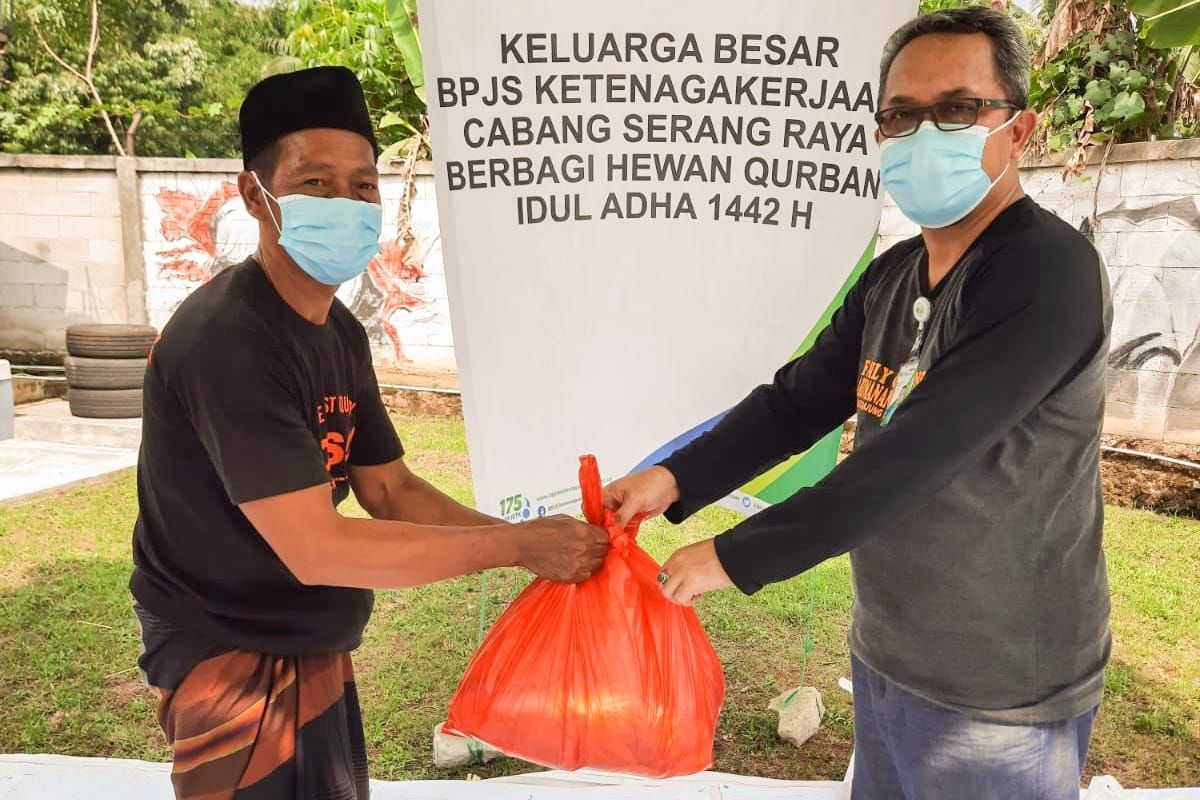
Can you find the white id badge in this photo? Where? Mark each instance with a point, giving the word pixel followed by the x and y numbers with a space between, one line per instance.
pixel 922 310
pixel 901 388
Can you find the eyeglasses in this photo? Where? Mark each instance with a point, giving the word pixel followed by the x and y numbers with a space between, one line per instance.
pixel 948 115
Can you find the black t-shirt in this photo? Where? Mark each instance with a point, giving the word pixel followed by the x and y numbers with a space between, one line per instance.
pixel 245 399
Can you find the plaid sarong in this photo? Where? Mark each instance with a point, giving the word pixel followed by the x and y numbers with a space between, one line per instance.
pixel 251 726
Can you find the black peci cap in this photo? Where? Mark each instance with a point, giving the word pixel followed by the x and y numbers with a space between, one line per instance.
pixel 321 97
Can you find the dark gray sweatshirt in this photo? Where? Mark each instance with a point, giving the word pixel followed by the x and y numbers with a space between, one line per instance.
pixel 974 515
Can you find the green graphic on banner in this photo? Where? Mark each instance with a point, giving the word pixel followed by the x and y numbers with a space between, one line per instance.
pixel 801 471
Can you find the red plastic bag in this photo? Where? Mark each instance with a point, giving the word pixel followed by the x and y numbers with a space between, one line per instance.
pixel 606 674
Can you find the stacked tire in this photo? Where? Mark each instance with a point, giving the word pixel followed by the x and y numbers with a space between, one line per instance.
pixel 105 369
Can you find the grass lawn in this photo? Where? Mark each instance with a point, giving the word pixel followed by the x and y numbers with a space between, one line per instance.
pixel 68 642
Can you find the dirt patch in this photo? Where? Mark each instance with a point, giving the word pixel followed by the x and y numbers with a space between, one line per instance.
pixel 1145 734
pixel 1138 482
pixel 433 404
pixel 440 462
pixel 1141 760
pixel 125 687
pixel 14 574
pixel 34 390
pixel 1135 481
pixel 367 658
pixel 823 757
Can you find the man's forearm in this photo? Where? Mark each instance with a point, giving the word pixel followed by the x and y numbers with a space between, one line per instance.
pixel 420 502
pixel 382 554
pixel 323 548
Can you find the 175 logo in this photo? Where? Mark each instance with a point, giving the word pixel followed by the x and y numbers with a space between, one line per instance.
pixel 514 506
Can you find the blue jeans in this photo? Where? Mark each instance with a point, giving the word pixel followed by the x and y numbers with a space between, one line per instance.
pixel 907 748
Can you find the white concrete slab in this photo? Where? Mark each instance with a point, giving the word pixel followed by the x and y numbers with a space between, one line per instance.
pixel 51 421
pixel 64 778
pixel 30 469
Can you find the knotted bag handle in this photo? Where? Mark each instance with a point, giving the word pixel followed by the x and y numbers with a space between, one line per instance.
pixel 593 503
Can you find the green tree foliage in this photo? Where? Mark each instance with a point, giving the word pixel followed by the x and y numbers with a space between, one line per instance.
pixel 358 34
pixel 402 15
pixel 929 6
pixel 1102 81
pixel 180 68
pixel 1169 23
pixel 1109 87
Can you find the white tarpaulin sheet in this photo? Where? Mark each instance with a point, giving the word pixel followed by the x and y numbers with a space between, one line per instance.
pixel 50 777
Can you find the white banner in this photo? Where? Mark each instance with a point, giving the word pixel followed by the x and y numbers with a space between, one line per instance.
pixel 646 209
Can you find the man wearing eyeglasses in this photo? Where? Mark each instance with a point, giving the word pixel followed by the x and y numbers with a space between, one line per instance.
pixel 974 357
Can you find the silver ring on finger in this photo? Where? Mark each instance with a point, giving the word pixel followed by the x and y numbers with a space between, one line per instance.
pixel 663 577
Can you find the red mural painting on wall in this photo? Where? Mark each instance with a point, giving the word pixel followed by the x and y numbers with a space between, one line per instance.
pixel 201 250
pixel 191 220
pixel 389 272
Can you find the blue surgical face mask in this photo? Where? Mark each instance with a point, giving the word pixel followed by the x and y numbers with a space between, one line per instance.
pixel 937 177
pixel 330 238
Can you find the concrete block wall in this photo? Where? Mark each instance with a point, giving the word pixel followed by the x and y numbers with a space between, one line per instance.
pixel 61 259
pixel 116 240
